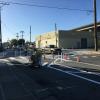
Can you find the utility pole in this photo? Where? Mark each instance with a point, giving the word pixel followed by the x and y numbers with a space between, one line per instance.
pixel 30 34
pixel 1 5
pixel 22 36
pixel 0 31
pixel 56 33
pixel 17 36
pixel 95 27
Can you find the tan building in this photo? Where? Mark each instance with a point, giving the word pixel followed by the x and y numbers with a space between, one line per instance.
pixel 82 37
pixel 46 39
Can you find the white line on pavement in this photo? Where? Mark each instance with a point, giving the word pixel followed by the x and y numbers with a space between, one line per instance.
pixel 4 60
pixel 80 71
pixel 93 56
pixel 12 58
pixel 68 67
pixel 81 77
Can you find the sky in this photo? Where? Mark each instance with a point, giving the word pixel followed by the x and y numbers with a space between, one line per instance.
pixel 15 18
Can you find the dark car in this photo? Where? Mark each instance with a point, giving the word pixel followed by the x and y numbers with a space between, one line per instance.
pixel 57 51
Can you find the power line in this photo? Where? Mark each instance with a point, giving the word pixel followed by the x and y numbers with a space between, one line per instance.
pixel 44 6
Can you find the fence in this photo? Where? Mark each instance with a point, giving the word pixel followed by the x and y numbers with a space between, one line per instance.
pixel 2 54
pixel 66 55
pixel 15 53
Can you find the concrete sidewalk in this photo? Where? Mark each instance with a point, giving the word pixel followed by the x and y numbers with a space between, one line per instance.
pixel 88 52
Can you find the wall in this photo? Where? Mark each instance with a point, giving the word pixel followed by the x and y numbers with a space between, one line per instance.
pixel 46 39
pixel 72 39
pixel 66 39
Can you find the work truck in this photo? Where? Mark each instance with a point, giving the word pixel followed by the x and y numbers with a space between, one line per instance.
pixel 51 49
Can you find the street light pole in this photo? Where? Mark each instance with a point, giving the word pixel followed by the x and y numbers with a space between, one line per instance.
pixel 95 27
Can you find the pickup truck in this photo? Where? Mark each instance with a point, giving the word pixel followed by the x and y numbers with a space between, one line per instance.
pixel 51 49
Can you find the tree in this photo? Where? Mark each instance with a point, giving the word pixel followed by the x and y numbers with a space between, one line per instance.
pixel 21 42
pixel 14 42
pixel 27 43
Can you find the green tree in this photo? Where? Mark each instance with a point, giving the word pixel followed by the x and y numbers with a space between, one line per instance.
pixel 14 42
pixel 21 42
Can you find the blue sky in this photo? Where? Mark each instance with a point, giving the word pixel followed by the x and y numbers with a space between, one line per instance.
pixel 16 18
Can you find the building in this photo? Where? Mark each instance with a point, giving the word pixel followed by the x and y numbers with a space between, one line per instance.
pixel 82 37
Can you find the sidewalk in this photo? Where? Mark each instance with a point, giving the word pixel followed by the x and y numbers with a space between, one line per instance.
pixel 86 52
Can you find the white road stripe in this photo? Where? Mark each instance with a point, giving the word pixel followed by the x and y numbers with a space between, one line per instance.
pixel 4 60
pixel 93 56
pixel 10 64
pixel 81 77
pixel 80 71
pixel 68 67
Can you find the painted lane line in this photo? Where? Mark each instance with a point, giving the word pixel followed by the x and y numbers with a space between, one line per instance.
pixel 93 56
pixel 97 73
pixel 68 67
pixel 12 58
pixel 87 79
pixel 80 71
pixel 4 60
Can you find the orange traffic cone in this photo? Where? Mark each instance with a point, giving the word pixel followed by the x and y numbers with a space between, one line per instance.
pixel 78 58
pixel 65 56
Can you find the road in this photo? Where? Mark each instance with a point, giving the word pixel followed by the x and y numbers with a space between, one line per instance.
pixel 22 82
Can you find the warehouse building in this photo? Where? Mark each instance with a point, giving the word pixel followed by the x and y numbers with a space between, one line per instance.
pixel 82 37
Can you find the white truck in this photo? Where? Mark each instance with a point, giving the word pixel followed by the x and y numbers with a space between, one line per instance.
pixel 51 49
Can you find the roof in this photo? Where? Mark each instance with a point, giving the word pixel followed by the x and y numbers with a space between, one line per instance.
pixel 89 27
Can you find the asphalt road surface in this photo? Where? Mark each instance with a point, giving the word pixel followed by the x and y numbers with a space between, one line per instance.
pixel 23 82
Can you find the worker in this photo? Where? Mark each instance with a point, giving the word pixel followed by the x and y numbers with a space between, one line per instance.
pixel 36 57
